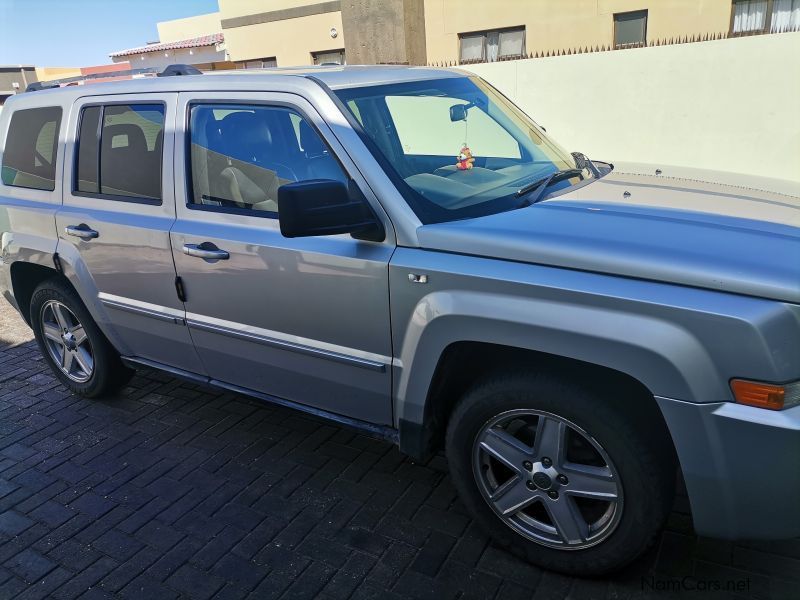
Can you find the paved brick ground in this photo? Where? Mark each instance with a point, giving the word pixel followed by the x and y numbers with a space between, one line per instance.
pixel 172 490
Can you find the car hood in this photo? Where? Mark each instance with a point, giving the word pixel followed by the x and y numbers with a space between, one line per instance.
pixel 691 232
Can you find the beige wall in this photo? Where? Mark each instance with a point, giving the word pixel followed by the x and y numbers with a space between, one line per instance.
pixel 50 73
pixel 191 27
pixel 240 8
pixel 291 41
pixel 724 105
pixel 563 24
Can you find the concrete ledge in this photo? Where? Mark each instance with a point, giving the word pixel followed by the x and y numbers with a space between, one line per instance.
pixel 283 14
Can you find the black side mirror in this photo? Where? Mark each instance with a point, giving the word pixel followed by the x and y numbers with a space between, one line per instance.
pixel 326 207
pixel 458 112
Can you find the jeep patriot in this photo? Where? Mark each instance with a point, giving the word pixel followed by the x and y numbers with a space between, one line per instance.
pixel 404 251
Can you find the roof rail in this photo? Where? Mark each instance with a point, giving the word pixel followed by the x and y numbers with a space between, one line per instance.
pixel 179 69
pixel 41 85
pixel 169 71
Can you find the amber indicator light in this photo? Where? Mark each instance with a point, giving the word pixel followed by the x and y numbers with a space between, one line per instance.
pixel 761 395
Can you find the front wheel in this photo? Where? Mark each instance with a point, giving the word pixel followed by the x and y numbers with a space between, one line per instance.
pixel 558 474
pixel 72 343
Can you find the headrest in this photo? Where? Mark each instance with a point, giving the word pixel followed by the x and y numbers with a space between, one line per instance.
pixel 134 134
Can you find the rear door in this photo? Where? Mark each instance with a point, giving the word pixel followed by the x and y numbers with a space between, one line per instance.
pixel 305 319
pixel 113 228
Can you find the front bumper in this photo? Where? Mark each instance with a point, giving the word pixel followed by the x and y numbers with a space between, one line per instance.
pixel 741 466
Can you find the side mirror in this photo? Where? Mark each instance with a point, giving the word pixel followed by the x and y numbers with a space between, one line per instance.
pixel 458 112
pixel 326 207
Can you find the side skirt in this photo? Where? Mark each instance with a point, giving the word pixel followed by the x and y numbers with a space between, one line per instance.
pixel 378 431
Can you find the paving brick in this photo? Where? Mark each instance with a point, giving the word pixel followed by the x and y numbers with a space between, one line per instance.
pixel 30 566
pixel 195 583
pixel 13 523
pixel 92 505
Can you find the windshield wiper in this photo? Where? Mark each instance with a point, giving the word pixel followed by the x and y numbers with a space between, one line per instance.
pixel 542 184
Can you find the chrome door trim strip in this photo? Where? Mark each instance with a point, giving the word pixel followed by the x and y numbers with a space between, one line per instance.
pixel 290 346
pixel 118 303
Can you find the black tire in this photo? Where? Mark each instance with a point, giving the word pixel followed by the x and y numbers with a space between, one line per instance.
pixel 108 374
pixel 646 468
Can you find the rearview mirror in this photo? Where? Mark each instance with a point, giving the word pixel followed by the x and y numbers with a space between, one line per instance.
pixel 458 112
pixel 326 207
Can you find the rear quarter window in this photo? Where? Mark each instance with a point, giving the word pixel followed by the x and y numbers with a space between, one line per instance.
pixel 29 158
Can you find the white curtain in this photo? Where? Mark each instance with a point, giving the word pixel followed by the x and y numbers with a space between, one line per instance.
pixel 785 15
pixel 511 42
pixel 492 45
pixel 471 47
pixel 749 16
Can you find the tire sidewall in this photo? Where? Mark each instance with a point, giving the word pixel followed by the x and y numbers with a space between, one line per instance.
pixel 645 482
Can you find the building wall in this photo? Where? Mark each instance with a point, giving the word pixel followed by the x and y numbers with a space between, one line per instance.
pixel 291 41
pixel 15 74
pixel 563 24
pixel 50 73
pixel 190 27
pixel 720 105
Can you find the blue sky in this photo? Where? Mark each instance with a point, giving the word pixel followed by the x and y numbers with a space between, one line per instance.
pixel 79 33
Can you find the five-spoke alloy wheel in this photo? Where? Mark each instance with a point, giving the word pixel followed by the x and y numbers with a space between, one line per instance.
pixel 547 479
pixel 66 341
pixel 72 343
pixel 564 474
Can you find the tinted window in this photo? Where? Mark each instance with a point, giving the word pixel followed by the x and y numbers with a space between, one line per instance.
pixel 88 165
pixel 241 155
pixel 129 143
pixel 29 159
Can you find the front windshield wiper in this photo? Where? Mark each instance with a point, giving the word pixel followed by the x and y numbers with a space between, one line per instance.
pixel 542 184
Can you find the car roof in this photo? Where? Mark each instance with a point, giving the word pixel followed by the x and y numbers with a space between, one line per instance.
pixel 334 77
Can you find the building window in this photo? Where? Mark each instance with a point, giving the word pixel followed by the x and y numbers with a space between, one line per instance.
pixel 489 46
pixel 329 57
pixel 760 16
pixel 120 152
pixel 29 160
pixel 630 29
pixel 258 63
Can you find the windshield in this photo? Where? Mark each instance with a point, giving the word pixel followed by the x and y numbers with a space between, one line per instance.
pixel 456 148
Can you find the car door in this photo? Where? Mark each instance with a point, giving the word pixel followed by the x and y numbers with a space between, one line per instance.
pixel 113 227
pixel 303 319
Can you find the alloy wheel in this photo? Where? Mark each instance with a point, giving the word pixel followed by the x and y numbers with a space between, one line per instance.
pixel 547 479
pixel 66 341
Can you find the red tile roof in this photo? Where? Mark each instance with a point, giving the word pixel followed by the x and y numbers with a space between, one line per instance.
pixel 198 42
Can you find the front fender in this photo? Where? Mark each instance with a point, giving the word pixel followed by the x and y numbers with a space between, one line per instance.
pixel 678 342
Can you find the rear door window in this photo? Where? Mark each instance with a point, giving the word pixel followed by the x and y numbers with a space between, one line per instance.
pixel 29 158
pixel 120 152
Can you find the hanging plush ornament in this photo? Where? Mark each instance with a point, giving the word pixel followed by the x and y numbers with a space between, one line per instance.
pixel 464 159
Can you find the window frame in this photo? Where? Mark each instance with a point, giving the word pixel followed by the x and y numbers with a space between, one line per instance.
pixel 314 54
pixel 242 64
pixel 485 34
pixel 767 28
pixel 56 146
pixel 76 153
pixel 187 142
pixel 641 44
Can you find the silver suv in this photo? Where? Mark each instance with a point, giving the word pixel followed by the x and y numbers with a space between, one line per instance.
pixel 404 251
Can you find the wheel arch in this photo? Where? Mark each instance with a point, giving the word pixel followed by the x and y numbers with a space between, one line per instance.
pixel 25 278
pixel 463 364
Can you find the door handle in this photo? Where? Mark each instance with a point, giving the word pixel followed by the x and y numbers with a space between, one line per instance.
pixel 82 231
pixel 206 250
